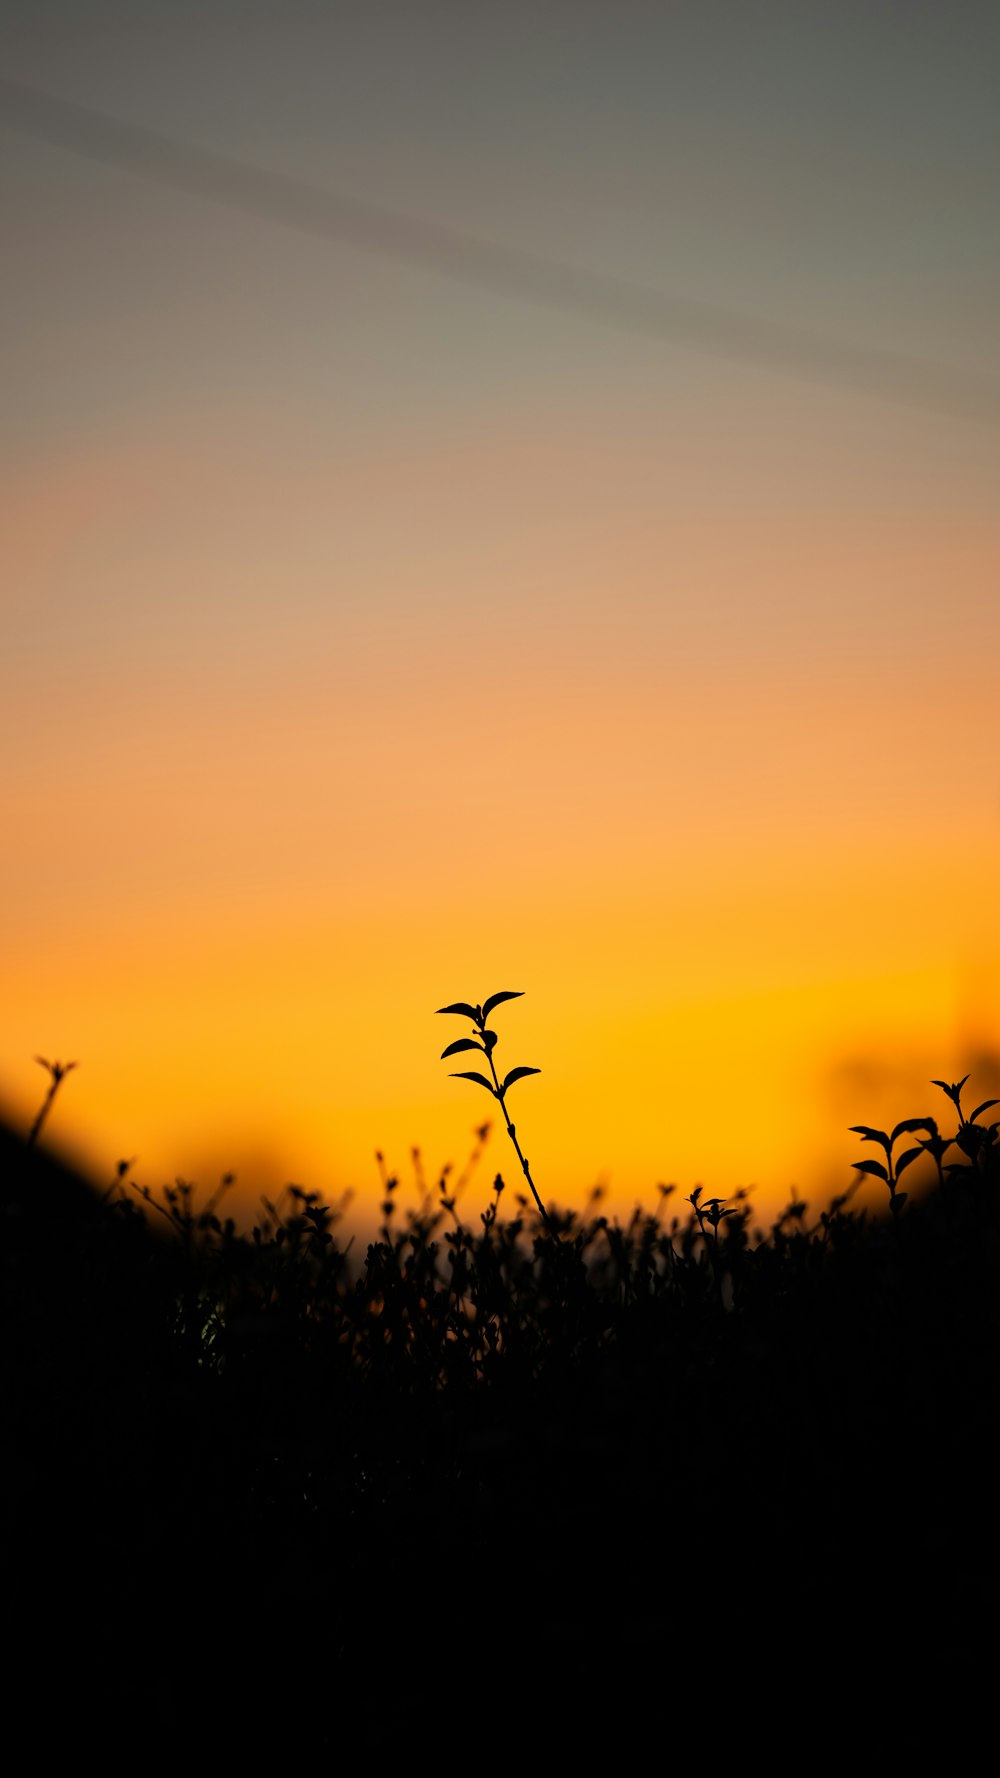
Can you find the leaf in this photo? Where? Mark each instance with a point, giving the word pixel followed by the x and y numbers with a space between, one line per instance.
pixel 481 1078
pixel 462 1006
pixel 952 1091
pixel 870 1135
pixel 495 999
pixel 911 1155
pixel 909 1124
pixel 875 1167
pixel 517 1074
pixel 461 1043
pixel 983 1107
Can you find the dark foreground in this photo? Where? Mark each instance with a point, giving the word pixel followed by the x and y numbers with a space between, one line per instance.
pixel 492 1495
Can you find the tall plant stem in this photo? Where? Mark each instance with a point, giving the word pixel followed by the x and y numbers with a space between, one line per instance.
pixel 43 1114
pixel 512 1133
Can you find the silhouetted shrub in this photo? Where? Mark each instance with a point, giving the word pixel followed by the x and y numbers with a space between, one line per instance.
pixel 562 1449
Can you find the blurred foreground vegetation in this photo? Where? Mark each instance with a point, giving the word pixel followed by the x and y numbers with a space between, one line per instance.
pixel 270 1493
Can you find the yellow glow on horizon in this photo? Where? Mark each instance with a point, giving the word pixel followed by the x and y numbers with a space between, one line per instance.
pixel 716 793
pixel 297 1057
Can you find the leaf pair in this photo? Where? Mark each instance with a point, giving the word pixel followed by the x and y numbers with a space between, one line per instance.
pixel 908 1125
pixel 892 1169
pixel 876 1168
pixel 508 1081
pixel 954 1091
pixel 480 1014
pixel 58 1070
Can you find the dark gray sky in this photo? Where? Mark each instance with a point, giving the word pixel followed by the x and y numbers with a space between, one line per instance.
pixel 831 169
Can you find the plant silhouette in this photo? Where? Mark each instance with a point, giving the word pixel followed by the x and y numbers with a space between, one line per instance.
pixel 892 1169
pixel 977 1141
pixel 470 1386
pixel 485 1042
pixel 58 1072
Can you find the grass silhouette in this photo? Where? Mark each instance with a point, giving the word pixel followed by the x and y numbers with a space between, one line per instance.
pixel 733 1481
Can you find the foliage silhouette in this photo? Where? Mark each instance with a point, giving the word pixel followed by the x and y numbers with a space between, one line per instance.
pixel 471 1446
pixel 485 1042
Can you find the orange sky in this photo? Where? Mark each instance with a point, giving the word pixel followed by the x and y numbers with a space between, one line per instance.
pixel 727 871
pixel 370 645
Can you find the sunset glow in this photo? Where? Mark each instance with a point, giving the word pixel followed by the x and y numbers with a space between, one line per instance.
pixel 370 643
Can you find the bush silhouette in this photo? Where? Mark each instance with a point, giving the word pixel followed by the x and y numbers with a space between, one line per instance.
pixel 549 1445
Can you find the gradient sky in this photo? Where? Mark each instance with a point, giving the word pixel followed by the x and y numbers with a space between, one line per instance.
pixel 371 640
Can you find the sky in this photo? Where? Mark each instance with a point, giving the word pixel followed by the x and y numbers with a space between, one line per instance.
pixel 498 498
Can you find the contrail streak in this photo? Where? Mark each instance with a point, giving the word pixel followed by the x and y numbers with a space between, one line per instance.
pixel 511 272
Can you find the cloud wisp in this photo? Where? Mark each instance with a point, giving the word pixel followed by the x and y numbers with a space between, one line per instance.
pixel 500 269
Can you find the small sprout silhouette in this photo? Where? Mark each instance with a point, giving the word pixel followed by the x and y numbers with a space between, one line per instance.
pixel 954 1091
pixel 58 1072
pixel 893 1167
pixel 710 1212
pixel 484 1043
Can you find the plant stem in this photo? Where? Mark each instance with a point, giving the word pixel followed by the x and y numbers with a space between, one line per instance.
pixel 513 1136
pixel 43 1113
